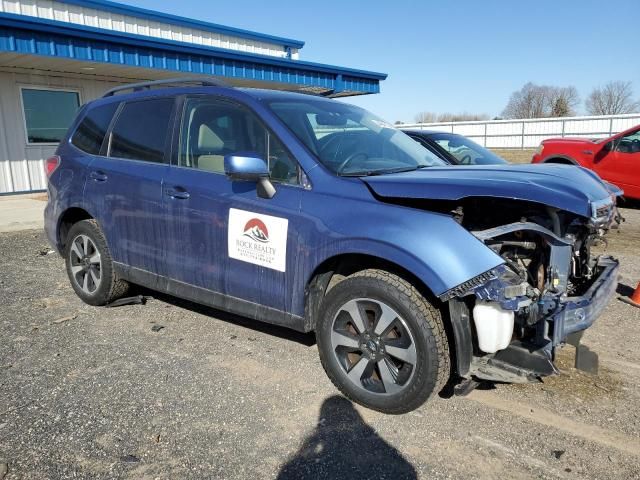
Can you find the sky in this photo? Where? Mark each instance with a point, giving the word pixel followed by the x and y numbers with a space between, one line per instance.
pixel 447 56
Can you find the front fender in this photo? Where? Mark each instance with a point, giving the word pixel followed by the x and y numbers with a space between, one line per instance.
pixel 432 246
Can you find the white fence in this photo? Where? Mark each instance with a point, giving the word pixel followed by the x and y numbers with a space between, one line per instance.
pixel 528 133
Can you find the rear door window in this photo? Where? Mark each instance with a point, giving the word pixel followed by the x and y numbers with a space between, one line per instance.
pixel 141 129
pixel 89 135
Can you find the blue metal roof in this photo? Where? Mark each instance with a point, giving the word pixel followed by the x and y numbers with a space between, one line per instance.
pixel 36 36
pixel 187 22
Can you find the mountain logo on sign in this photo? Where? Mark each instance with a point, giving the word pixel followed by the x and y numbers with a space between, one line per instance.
pixel 256 230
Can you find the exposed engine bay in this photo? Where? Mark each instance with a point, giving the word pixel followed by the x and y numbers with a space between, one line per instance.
pixel 527 251
pixel 521 311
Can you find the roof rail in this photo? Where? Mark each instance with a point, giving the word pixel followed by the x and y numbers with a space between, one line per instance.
pixel 205 82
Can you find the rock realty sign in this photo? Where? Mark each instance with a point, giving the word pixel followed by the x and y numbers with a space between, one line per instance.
pixel 258 239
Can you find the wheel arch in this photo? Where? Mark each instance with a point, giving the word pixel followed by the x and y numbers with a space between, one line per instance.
pixel 68 218
pixel 333 269
pixel 560 159
pixel 337 267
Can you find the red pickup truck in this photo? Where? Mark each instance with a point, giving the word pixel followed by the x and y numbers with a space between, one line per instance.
pixel 616 159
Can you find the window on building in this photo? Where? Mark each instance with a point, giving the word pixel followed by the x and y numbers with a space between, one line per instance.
pixel 140 131
pixel 213 128
pixel 48 113
pixel 90 133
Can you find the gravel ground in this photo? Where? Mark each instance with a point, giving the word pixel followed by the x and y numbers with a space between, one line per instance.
pixel 96 393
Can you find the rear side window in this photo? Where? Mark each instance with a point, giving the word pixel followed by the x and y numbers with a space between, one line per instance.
pixel 90 133
pixel 141 130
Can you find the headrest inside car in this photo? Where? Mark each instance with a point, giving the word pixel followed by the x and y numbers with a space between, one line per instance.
pixel 208 140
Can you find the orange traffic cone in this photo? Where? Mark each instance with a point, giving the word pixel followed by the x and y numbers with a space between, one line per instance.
pixel 634 299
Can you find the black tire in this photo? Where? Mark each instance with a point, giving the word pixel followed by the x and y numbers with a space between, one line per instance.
pixel 108 287
pixel 415 314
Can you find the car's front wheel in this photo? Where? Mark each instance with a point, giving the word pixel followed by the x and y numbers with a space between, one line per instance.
pixel 382 343
pixel 89 265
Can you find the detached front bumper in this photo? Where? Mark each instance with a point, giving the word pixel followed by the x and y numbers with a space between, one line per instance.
pixel 578 313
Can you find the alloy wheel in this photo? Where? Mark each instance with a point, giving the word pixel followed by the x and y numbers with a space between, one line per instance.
pixel 86 264
pixel 374 346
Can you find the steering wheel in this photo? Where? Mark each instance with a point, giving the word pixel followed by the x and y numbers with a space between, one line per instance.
pixel 466 160
pixel 349 159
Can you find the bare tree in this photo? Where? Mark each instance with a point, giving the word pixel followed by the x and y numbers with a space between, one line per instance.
pixel 425 117
pixel 612 99
pixel 539 101
pixel 462 117
pixel 528 102
pixel 562 101
pixel 430 117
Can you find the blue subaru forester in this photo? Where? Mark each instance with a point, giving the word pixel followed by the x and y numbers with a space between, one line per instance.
pixel 310 213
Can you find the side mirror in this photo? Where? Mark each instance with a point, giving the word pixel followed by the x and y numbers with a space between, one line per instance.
pixel 247 166
pixel 603 152
pixel 250 168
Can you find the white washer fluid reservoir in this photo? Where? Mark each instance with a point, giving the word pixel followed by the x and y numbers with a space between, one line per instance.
pixel 494 326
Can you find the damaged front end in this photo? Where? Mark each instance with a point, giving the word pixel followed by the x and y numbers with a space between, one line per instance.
pixel 508 322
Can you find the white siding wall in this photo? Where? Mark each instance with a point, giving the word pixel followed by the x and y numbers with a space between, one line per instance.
pixel 529 133
pixel 91 17
pixel 21 165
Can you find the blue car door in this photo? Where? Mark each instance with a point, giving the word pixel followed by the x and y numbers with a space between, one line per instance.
pixel 223 237
pixel 124 186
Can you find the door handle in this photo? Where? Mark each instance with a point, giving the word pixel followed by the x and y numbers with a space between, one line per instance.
pixel 98 176
pixel 177 192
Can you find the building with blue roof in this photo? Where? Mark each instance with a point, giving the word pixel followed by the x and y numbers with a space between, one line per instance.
pixel 56 55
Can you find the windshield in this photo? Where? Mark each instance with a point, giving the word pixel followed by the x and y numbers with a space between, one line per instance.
pixel 465 151
pixel 350 141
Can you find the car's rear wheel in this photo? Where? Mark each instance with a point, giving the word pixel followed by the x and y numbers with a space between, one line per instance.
pixel 382 343
pixel 89 265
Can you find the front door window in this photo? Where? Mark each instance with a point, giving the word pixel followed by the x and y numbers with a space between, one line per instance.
pixel 629 143
pixel 214 128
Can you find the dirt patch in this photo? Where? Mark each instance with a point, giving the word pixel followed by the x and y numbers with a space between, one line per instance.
pixel 515 155
pixel 574 384
pixel 626 238
pixel 610 438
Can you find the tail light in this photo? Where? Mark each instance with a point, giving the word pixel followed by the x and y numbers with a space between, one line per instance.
pixel 50 164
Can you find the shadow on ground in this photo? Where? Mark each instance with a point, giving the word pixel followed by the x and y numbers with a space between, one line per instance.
pixel 307 339
pixel 343 446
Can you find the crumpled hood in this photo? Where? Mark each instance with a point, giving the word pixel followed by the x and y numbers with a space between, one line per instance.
pixel 565 187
